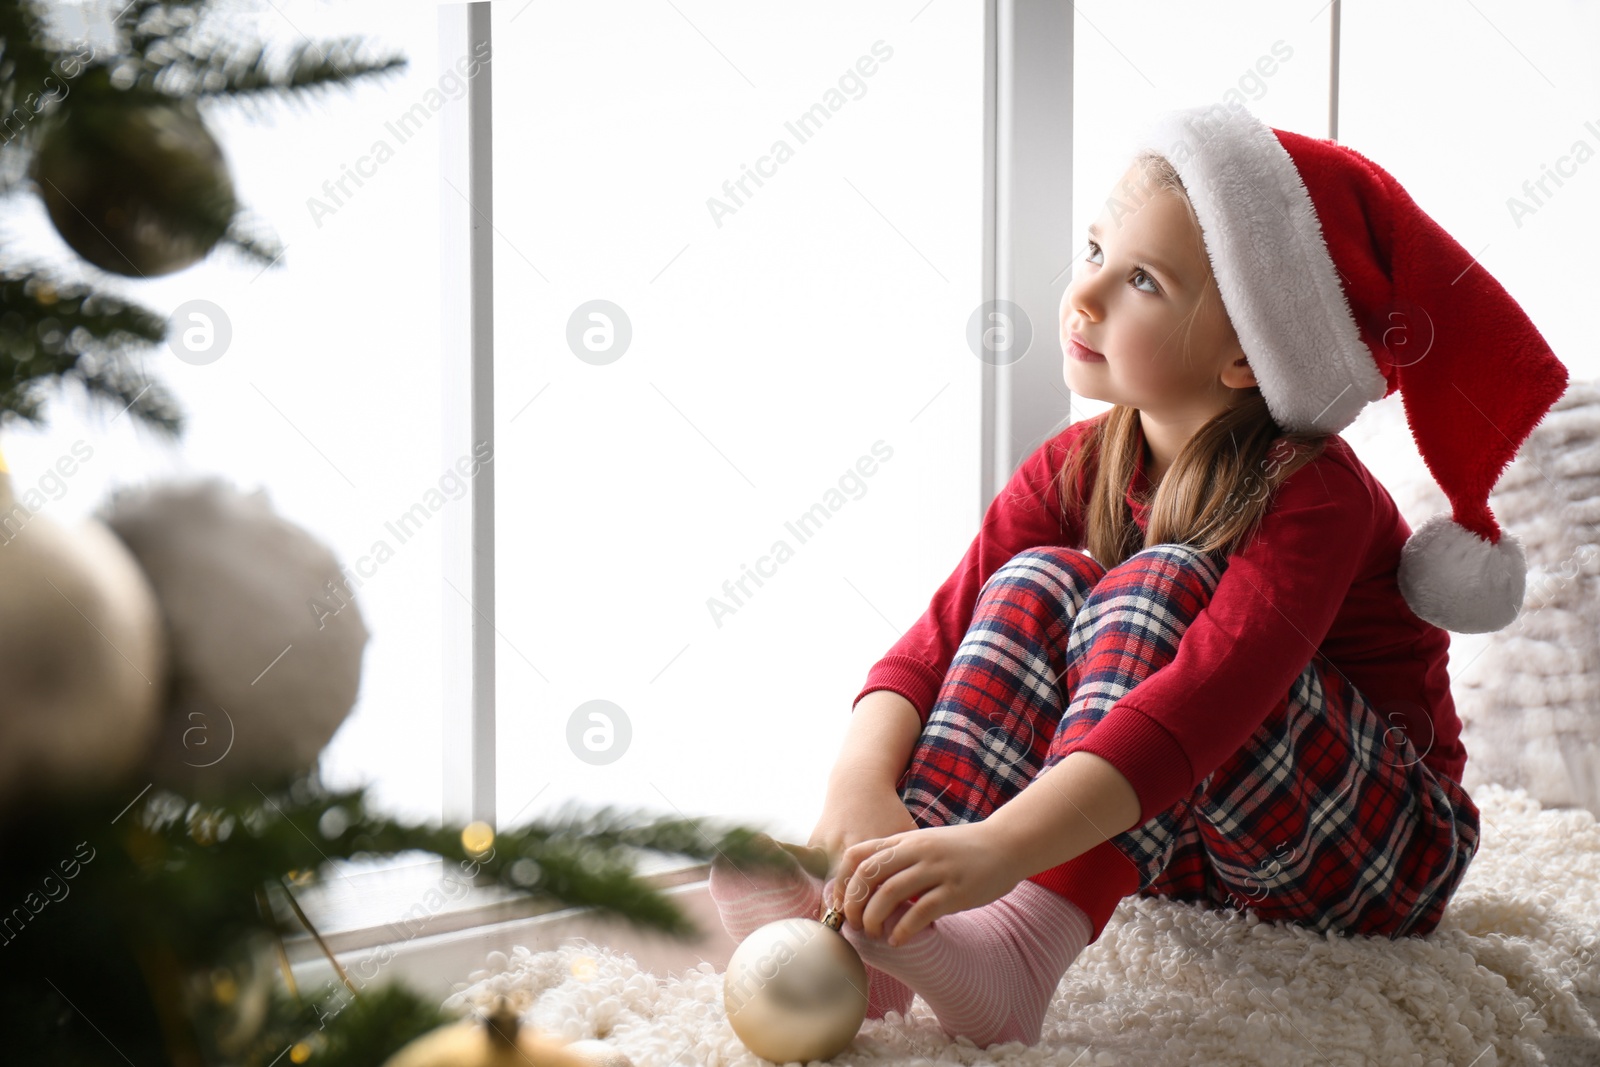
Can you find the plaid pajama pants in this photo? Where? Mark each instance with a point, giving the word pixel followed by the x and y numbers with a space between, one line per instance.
pixel 1326 816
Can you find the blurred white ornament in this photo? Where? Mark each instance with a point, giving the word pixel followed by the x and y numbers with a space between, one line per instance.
pixel 266 641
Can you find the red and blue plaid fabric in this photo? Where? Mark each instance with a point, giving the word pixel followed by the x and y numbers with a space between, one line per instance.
pixel 1325 817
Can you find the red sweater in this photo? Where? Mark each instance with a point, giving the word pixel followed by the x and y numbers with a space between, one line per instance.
pixel 1318 574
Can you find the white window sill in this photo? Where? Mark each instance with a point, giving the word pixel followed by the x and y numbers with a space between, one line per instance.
pixel 410 917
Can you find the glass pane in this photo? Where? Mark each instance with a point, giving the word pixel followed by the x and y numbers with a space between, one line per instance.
pixel 738 421
pixel 327 394
pixel 1494 130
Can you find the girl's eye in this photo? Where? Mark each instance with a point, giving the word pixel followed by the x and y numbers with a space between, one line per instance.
pixel 1139 272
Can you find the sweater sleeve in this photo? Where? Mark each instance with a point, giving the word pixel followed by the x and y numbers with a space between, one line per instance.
pixel 1025 514
pixel 1272 609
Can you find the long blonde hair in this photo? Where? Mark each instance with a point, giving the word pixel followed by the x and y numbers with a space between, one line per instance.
pixel 1221 482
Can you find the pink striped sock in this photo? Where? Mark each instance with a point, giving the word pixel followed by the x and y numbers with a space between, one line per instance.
pixel 988 973
pixel 747 901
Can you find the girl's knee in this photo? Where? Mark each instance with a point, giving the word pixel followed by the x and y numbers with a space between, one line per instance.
pixel 1166 564
pixel 1059 559
pixel 1157 559
pixel 1178 552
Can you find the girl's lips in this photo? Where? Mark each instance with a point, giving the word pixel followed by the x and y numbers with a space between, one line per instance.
pixel 1078 351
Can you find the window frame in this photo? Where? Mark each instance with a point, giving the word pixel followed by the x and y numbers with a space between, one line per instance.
pixel 1027 158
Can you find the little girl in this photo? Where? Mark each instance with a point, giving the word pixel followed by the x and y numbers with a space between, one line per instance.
pixel 1194 650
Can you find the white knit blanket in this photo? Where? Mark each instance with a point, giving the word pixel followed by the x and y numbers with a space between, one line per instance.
pixel 1528 695
pixel 1511 965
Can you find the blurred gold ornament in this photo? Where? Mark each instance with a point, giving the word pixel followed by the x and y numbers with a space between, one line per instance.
pixel 500 1040
pixel 134 182
pixel 477 838
pixel 224 990
pixel 796 989
pixel 233 998
pixel 83 652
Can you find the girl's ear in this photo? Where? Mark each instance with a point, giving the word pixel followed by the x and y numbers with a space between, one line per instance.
pixel 1239 375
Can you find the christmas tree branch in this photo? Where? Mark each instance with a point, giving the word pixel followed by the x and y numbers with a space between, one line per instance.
pixel 150 23
pixel 220 68
pixel 103 877
pixel 111 377
pixel 253 240
pixel 186 871
pixel 54 329
pixel 364 1032
pixel 21 24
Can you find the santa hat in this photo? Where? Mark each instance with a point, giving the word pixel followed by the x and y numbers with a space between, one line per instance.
pixel 1342 290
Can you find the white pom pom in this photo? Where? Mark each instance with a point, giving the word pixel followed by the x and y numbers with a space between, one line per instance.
pixel 1457 580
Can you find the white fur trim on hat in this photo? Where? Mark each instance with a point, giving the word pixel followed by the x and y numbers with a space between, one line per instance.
pixel 1457 580
pixel 1272 266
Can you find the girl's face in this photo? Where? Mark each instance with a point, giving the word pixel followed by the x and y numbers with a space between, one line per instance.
pixel 1143 276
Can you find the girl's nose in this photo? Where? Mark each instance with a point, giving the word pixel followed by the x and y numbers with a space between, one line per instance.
pixel 1081 298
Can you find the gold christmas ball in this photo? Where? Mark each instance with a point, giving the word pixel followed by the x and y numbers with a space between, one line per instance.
pixel 795 989
pixel 133 181
pixel 600 1054
pixel 499 1040
pixel 84 653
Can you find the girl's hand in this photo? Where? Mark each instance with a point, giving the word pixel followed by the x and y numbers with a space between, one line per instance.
pixel 948 868
pixel 856 812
